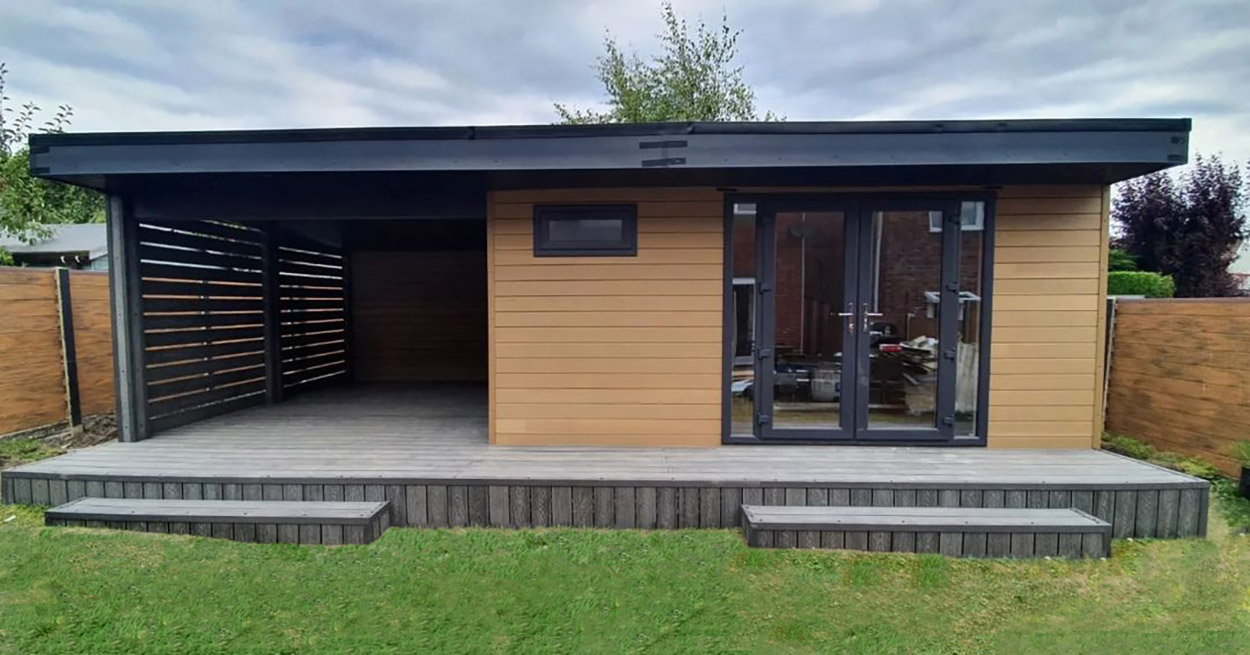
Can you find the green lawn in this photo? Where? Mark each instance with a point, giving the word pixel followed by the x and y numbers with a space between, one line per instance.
pixel 68 590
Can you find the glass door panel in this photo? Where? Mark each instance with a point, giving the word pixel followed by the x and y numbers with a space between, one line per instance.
pixel 902 311
pixel 857 318
pixel 908 264
pixel 808 304
pixel 808 336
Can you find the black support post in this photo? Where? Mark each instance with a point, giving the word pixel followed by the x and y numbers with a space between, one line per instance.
pixel 273 316
pixel 127 305
pixel 348 314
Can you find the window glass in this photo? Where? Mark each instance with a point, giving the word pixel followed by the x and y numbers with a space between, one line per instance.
pixel 743 384
pixel 585 230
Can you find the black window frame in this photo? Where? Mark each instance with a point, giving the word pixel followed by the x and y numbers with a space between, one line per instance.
pixel 627 246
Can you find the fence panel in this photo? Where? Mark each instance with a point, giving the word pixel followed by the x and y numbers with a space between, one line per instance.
pixel 93 340
pixel 32 378
pixel 1180 375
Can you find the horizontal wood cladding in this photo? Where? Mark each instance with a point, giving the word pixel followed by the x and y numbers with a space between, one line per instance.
pixel 1049 281
pixel 32 383
pixel 611 350
pixel 419 316
pixel 1178 376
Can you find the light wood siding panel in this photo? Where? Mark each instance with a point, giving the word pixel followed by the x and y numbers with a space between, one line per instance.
pixel 1049 317
pixel 607 350
pixel 32 383
pixel 93 340
pixel 419 316
pixel 1178 376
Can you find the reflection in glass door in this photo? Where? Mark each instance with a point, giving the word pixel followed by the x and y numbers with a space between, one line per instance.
pixel 864 320
pixel 807 303
pixel 902 309
pixel 906 291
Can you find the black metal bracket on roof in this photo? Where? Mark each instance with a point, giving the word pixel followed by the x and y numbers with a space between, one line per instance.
pixel 663 162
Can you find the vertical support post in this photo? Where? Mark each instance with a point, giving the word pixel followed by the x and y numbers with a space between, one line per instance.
pixel 1108 343
pixel 271 290
pixel 125 294
pixel 948 318
pixel 348 314
pixel 69 356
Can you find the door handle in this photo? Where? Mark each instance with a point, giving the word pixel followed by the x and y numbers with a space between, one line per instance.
pixel 850 321
pixel 868 315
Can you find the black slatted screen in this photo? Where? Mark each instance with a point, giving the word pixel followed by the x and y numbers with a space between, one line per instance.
pixel 203 317
pixel 312 280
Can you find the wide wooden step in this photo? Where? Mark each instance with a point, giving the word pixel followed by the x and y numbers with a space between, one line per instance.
pixel 293 522
pixel 954 531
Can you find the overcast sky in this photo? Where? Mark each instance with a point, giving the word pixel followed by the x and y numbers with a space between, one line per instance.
pixel 181 65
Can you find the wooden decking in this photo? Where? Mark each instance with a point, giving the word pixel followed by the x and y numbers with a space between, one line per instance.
pixel 306 522
pixel 426 451
pixel 953 531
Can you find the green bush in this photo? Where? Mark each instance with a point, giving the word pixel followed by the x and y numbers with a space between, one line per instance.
pixel 1118 443
pixel 1140 283
pixel 1121 260
pixel 1137 449
pixel 1241 452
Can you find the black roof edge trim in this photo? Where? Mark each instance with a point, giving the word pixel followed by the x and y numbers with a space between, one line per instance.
pixel 469 133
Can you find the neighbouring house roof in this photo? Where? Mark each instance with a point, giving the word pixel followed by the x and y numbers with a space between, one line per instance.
pixel 1098 151
pixel 89 239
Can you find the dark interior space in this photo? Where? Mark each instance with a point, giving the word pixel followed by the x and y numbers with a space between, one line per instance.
pixel 418 300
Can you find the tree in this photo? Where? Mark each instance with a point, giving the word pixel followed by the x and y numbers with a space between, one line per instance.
pixel 1188 226
pixel 29 204
pixel 1120 261
pixel 693 79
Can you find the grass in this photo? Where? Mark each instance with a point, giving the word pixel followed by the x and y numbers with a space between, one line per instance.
pixel 22 451
pixel 69 590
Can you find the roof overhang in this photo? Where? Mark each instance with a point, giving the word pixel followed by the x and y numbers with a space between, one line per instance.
pixel 725 154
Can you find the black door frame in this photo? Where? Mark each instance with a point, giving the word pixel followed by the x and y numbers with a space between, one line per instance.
pixel 766 312
pixel 855 204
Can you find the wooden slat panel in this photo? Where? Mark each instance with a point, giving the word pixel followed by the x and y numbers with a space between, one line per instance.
pixel 1185 391
pixel 31 369
pixel 93 341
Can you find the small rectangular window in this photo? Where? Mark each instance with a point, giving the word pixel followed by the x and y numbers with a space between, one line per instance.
pixel 585 230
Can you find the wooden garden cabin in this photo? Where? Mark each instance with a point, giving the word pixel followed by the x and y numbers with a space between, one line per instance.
pixel 400 305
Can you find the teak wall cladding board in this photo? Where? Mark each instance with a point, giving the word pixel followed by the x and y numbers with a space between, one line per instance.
pixel 608 350
pixel 1048 315
pixel 1178 376
pixel 419 316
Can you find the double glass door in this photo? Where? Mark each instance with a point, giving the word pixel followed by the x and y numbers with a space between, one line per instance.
pixel 857 310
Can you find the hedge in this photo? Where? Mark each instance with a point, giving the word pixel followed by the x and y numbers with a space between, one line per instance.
pixel 1140 283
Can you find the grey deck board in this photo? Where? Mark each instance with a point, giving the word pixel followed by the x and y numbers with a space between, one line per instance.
pixel 209 511
pixel 389 436
pixel 921 519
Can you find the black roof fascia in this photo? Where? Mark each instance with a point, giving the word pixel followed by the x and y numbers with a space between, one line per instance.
pixel 89 159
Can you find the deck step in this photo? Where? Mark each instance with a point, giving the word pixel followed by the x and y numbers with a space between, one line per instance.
pixel 954 531
pixel 290 522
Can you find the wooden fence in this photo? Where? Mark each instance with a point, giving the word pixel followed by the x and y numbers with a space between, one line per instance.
pixel 56 351
pixel 1180 375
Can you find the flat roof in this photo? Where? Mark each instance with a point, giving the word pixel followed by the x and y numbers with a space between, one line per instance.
pixel 1093 150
